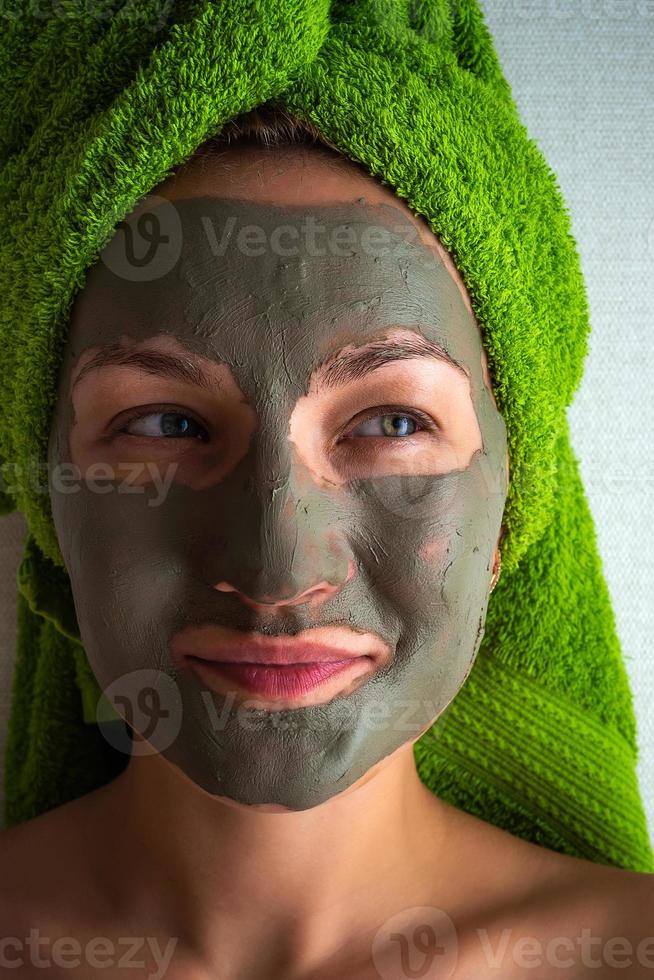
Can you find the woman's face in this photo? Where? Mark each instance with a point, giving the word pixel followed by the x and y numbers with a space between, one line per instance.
pixel 277 397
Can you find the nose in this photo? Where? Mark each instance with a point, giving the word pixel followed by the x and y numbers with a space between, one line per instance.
pixel 277 540
pixel 314 595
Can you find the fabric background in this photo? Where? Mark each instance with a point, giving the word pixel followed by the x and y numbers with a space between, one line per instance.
pixel 581 74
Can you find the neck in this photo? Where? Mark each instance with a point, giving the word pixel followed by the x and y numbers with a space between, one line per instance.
pixel 215 866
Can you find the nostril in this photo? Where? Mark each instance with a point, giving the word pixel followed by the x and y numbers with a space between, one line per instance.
pixel 268 601
pixel 225 587
pixel 319 592
pixel 263 600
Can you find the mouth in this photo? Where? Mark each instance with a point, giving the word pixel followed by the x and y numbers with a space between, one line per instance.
pixel 282 671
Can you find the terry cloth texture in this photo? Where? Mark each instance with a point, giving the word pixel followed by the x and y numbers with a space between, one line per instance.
pixel 95 112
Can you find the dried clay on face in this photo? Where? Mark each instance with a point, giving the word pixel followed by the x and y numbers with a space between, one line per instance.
pixel 421 544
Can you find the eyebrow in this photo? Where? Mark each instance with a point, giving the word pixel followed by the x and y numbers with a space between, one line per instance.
pixel 151 361
pixel 337 370
pixel 348 366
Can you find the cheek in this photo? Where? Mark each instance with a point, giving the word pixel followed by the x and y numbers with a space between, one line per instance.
pixel 121 559
pixel 433 549
pixel 434 536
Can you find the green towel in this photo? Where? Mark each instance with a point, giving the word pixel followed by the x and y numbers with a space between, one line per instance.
pixel 97 108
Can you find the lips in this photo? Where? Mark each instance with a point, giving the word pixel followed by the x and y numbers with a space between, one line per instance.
pixel 317 664
pixel 275 681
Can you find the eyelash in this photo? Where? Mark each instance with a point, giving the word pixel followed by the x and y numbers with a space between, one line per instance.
pixel 145 412
pixel 415 414
pixel 421 418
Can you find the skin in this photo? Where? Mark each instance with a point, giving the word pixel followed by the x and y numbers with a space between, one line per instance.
pixel 157 852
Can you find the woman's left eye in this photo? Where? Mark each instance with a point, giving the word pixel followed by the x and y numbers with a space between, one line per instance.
pixel 389 424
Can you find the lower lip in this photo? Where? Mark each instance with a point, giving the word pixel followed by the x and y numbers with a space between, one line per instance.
pixel 276 681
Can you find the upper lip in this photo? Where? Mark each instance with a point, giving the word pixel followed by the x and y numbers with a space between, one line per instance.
pixel 322 644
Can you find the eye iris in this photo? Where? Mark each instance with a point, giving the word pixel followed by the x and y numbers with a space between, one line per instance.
pixel 172 426
pixel 396 425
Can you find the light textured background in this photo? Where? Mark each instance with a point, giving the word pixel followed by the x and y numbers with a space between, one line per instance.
pixel 581 72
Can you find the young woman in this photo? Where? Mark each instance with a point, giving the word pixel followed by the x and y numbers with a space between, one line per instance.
pixel 302 408
pixel 308 390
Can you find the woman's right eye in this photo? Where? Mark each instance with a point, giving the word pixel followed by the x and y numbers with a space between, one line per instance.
pixel 167 425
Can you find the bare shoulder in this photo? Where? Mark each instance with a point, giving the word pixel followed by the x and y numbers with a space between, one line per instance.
pixel 43 862
pixel 57 908
pixel 624 898
pixel 544 913
pixel 598 917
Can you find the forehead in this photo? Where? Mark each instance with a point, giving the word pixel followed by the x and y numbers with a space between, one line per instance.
pixel 244 278
pixel 309 175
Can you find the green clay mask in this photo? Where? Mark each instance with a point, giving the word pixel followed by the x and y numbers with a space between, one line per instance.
pixel 266 494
